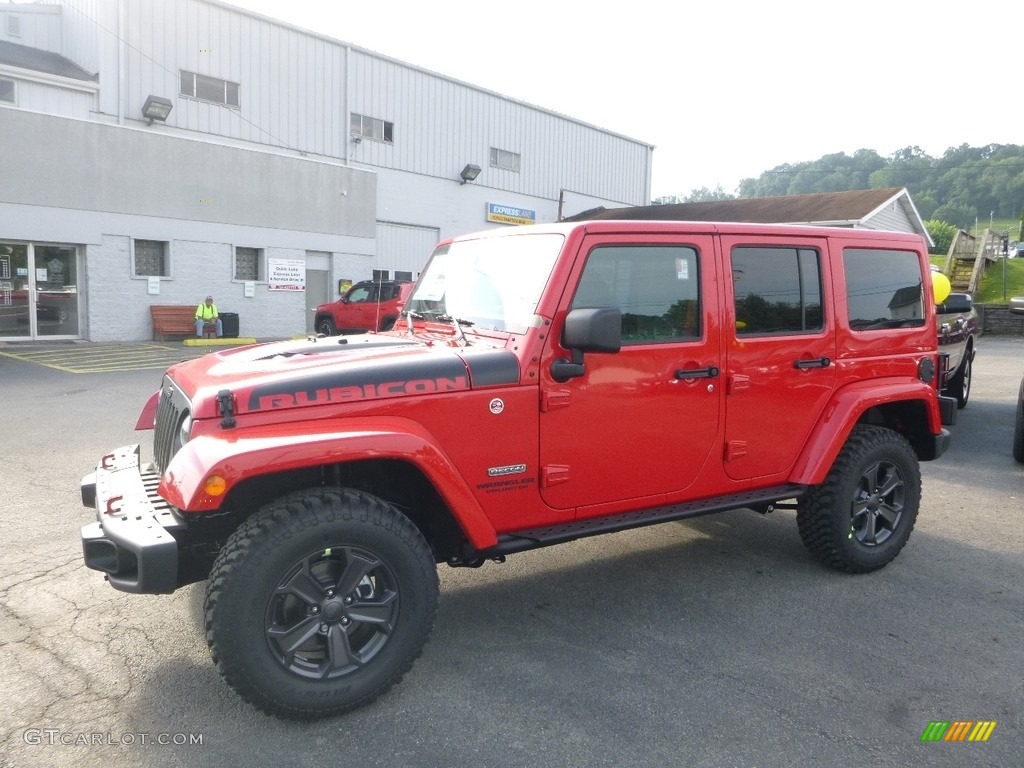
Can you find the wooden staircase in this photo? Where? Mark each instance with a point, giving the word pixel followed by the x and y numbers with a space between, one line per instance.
pixel 967 259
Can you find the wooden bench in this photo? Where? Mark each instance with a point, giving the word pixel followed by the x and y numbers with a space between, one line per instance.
pixel 176 320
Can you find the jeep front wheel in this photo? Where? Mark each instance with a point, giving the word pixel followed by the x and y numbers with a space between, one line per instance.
pixel 320 602
pixel 860 518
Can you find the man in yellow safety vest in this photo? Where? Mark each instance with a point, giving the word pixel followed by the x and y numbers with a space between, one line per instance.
pixel 206 314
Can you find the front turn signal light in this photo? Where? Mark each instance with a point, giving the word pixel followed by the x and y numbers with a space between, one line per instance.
pixel 215 485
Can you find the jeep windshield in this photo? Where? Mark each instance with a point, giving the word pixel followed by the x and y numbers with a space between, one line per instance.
pixel 487 284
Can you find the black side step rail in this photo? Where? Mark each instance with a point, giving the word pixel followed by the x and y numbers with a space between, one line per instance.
pixel 533 538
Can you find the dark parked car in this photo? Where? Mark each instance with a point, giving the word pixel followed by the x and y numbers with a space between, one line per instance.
pixel 957 329
pixel 372 305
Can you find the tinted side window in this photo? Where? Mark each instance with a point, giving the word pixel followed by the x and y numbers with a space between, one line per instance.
pixel 655 286
pixel 883 288
pixel 776 290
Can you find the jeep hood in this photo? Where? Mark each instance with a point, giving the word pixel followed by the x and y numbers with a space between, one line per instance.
pixel 338 369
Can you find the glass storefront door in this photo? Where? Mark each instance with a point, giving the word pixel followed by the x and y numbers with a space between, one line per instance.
pixel 38 291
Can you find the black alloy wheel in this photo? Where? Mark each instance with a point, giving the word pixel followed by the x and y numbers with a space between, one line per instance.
pixel 332 613
pixel 862 515
pixel 320 602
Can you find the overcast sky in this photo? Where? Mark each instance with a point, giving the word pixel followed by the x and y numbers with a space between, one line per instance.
pixel 724 89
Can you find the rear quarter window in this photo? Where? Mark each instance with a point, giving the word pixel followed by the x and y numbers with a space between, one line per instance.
pixel 884 289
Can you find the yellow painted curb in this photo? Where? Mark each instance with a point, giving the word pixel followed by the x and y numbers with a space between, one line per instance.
pixel 221 342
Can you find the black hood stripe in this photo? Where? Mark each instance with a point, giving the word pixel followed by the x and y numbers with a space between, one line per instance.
pixel 381 378
pixel 492 368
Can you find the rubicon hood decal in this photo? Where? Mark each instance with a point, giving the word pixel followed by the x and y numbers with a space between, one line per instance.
pixel 385 378
pixel 420 373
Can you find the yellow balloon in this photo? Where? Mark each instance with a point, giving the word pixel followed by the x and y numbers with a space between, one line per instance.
pixel 940 287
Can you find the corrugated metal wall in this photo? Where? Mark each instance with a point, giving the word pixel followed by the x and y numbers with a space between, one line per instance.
pixel 55 100
pixel 403 247
pixel 36 27
pixel 441 124
pixel 297 90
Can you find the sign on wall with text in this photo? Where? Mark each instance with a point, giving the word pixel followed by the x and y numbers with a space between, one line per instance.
pixel 286 275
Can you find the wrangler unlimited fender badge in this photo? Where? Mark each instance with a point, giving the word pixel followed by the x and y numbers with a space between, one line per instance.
pixel 511 469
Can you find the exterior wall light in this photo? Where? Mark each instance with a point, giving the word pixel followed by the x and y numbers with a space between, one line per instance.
pixel 469 173
pixel 156 108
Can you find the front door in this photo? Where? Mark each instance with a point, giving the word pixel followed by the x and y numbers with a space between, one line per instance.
pixel 642 422
pixel 38 291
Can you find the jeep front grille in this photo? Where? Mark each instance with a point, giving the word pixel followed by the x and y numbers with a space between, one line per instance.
pixel 171 410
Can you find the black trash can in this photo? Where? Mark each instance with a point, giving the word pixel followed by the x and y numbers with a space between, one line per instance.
pixel 229 324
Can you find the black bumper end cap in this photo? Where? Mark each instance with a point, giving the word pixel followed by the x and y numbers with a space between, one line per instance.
pixel 89 490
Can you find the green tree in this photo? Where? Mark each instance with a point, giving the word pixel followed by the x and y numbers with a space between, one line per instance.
pixel 942 234
pixel 704 195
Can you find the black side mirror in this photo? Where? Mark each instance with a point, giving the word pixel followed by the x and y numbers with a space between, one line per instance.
pixel 954 304
pixel 587 330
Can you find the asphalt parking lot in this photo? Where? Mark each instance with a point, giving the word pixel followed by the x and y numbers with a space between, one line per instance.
pixel 712 642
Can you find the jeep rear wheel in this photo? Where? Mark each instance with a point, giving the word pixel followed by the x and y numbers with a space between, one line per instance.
pixel 860 518
pixel 320 602
pixel 325 326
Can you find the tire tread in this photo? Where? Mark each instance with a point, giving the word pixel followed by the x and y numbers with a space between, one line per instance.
pixel 816 510
pixel 282 519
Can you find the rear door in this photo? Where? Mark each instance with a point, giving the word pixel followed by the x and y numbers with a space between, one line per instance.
pixel 642 421
pixel 780 350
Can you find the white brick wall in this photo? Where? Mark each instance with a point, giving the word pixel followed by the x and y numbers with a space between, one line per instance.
pixel 119 305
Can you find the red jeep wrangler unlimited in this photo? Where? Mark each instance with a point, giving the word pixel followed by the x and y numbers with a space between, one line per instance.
pixel 544 383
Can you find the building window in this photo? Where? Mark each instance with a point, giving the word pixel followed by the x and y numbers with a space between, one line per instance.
pixel 7 90
pixel 372 128
pixel 14 26
pixel 249 264
pixel 151 258
pixel 210 89
pixel 381 274
pixel 399 275
pixel 502 159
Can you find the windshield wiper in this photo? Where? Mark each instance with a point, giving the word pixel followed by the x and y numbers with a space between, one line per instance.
pixel 410 316
pixel 457 324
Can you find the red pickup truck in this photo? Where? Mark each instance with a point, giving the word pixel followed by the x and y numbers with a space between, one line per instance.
pixel 543 384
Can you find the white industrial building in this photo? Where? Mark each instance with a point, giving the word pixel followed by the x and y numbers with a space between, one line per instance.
pixel 287 162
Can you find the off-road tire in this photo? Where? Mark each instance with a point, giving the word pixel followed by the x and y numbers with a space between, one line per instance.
pixel 860 518
pixel 960 385
pixel 387 324
pixel 325 326
pixel 1018 427
pixel 320 602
